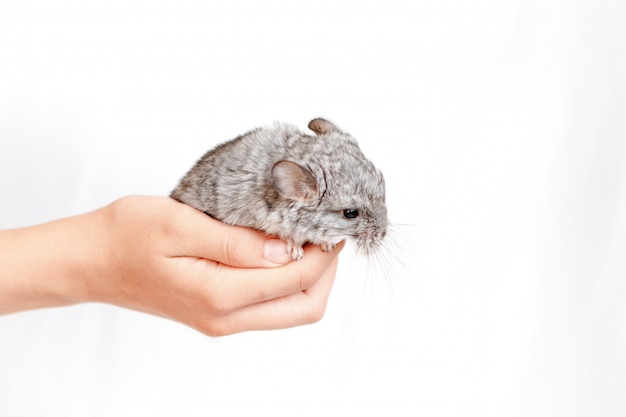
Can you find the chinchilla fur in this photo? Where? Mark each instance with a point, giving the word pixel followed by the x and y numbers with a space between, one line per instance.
pixel 300 187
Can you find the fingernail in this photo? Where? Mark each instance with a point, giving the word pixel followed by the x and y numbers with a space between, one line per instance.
pixel 275 251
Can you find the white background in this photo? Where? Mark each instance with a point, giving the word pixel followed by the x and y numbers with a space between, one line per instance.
pixel 500 127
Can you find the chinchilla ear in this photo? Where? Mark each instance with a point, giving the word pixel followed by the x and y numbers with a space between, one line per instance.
pixel 322 126
pixel 293 182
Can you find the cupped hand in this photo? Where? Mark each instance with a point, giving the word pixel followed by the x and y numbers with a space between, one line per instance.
pixel 169 259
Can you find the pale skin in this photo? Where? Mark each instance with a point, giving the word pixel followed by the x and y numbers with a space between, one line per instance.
pixel 156 255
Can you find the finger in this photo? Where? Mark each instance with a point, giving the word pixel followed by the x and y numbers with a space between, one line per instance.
pixel 232 289
pixel 199 235
pixel 302 307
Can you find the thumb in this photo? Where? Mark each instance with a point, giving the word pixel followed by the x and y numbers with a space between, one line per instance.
pixel 204 237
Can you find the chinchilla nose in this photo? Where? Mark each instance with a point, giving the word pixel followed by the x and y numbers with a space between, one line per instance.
pixel 378 233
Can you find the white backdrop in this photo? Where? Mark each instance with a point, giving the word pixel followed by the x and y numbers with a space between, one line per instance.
pixel 500 127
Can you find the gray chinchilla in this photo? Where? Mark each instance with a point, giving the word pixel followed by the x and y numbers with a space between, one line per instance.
pixel 302 188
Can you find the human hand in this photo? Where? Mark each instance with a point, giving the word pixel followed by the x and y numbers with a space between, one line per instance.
pixel 159 256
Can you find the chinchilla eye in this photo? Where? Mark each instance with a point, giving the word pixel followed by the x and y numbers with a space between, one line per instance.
pixel 350 213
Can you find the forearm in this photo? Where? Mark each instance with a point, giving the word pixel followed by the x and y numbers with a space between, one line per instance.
pixel 47 265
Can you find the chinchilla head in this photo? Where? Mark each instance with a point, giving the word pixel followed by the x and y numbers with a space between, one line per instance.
pixel 331 191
